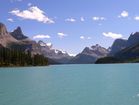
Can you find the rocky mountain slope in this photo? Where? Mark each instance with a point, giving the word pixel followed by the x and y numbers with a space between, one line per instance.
pixel 18 34
pixel 54 54
pixel 127 51
pixel 5 38
pixel 90 55
pixel 121 50
pixel 120 44
pixel 17 40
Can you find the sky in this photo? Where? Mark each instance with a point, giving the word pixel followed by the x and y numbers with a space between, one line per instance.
pixel 71 25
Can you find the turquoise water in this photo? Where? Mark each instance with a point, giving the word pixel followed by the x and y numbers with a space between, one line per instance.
pixel 70 85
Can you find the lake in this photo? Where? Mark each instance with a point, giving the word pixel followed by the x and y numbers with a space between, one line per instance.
pixel 116 84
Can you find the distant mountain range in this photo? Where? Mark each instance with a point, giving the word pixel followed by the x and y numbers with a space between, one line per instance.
pixel 121 50
pixel 17 40
pixel 90 55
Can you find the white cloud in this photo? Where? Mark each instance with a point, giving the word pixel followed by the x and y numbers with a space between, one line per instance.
pixel 10 20
pixel 70 20
pixel 33 13
pixel 136 18
pixel 89 38
pixel 123 14
pixel 82 37
pixel 82 19
pixel 96 18
pixel 112 35
pixel 29 4
pixel 61 34
pixel 41 37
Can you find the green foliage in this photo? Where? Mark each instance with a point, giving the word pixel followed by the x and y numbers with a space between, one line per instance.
pixel 13 57
pixel 106 60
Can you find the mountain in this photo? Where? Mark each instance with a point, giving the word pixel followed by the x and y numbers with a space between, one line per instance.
pixel 118 45
pixel 127 55
pixel 14 52
pixel 127 51
pixel 26 42
pixel 90 55
pixel 133 39
pixel 5 38
pixel 1 46
pixel 121 50
pixel 17 41
pixel 54 54
pixel 8 41
pixel 18 34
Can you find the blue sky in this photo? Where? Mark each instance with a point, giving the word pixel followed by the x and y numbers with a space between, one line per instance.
pixel 71 25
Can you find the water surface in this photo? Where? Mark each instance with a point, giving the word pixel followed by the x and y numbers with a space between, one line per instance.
pixel 70 85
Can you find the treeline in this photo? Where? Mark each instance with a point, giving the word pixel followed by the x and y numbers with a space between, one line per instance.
pixel 14 57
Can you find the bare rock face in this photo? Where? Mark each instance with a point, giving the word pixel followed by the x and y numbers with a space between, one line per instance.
pixel 90 55
pixel 5 37
pixel 133 39
pixel 95 51
pixel 3 29
pixel 118 45
pixel 121 44
pixel 18 34
pixel 54 54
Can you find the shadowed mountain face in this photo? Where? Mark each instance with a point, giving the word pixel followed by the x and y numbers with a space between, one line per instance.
pixel 129 52
pixel 127 55
pixel 133 39
pixel 90 55
pixel 18 34
pixel 123 50
pixel 1 46
pixel 106 60
pixel 132 47
pixel 120 44
pixel 5 38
